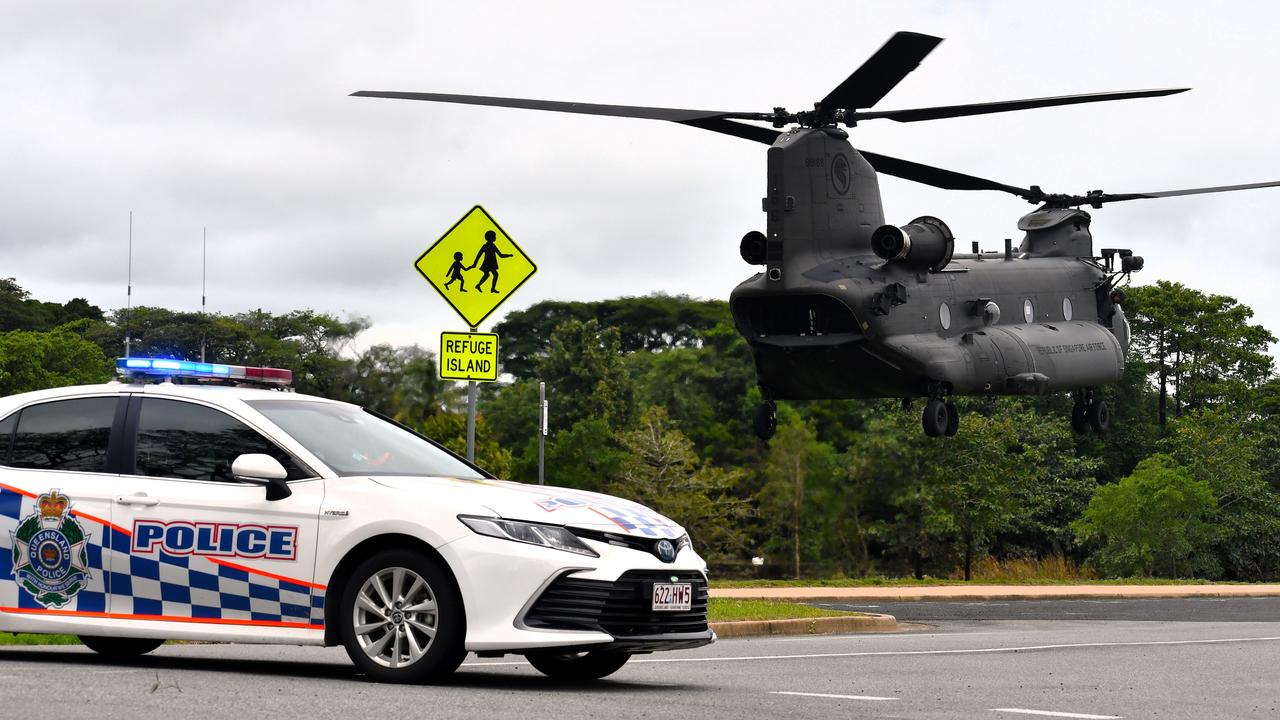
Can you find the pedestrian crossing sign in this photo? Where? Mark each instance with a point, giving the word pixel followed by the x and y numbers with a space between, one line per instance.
pixel 475 266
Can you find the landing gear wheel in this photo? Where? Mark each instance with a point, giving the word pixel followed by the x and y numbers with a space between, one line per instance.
pixel 765 420
pixel 935 418
pixel 578 666
pixel 401 620
pixel 119 647
pixel 1099 416
pixel 1080 417
pixel 953 420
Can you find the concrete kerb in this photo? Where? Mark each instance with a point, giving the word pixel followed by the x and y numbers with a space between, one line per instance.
pixel 865 623
pixel 993 592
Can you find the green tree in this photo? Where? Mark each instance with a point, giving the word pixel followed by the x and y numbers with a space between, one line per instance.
pixel 960 491
pixel 402 382
pixel 40 360
pixel 705 391
pixel 652 322
pixel 662 470
pixel 1153 522
pixel 586 377
pixel 587 456
pixel 450 429
pixel 797 464
pixel 1220 447
pixel 1202 348
pixel 18 311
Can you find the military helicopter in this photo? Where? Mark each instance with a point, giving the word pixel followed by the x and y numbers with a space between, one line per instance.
pixel 848 306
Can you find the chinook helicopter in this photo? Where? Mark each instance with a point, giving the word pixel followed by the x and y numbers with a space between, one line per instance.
pixel 847 306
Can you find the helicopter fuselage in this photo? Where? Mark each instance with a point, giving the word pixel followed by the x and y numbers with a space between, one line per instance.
pixel 830 318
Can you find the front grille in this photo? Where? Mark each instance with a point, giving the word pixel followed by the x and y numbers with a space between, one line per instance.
pixel 621 608
pixel 643 544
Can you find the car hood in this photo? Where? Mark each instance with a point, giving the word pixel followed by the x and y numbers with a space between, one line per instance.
pixel 544 503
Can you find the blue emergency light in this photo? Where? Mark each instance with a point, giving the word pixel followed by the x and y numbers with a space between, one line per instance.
pixel 164 367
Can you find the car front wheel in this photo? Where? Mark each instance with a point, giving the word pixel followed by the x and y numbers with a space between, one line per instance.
pixel 578 666
pixel 401 619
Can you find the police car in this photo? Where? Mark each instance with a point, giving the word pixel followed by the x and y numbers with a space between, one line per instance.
pixel 198 507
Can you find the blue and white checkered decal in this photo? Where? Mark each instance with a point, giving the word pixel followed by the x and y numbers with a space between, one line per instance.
pixel 634 517
pixel 164 587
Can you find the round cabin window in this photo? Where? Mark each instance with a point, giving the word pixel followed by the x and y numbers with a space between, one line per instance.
pixel 1066 308
pixel 1028 311
pixel 944 316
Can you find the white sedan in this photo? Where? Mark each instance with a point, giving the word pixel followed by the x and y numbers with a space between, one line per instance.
pixel 134 512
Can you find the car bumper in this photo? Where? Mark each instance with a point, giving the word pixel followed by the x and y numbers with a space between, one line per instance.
pixel 506 587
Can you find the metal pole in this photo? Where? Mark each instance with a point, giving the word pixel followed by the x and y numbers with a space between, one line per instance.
pixel 542 431
pixel 129 289
pixel 471 419
pixel 204 264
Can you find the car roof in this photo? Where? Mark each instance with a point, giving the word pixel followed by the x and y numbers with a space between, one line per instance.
pixel 211 393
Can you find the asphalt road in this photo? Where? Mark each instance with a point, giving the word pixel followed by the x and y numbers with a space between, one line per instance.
pixel 965 667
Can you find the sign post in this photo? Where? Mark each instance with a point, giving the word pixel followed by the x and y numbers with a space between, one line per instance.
pixel 471 414
pixel 502 267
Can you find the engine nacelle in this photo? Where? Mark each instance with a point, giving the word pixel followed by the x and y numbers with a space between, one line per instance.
pixel 752 248
pixel 925 243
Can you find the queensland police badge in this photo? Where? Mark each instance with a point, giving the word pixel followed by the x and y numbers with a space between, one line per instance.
pixel 49 556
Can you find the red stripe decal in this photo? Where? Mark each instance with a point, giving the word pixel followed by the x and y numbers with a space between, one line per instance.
pixel 264 573
pixel 104 523
pixel 13 489
pixel 77 513
pixel 163 618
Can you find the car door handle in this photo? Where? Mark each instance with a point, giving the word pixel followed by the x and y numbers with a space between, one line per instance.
pixel 140 499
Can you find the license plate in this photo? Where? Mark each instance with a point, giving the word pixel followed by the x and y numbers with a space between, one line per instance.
pixel 672 596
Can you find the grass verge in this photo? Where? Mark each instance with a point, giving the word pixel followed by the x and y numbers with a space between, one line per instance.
pixel 933 582
pixel 726 610
pixel 32 639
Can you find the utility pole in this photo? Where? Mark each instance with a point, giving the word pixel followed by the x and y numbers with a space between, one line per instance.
pixel 542 431
pixel 204 264
pixel 129 289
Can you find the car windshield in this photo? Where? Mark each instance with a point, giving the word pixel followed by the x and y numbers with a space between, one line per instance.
pixel 353 441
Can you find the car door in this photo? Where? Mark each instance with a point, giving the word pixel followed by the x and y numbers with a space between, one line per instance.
pixel 204 546
pixel 56 492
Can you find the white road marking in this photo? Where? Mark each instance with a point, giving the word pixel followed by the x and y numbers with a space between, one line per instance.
pixel 912 635
pixel 826 695
pixel 1051 713
pixel 964 651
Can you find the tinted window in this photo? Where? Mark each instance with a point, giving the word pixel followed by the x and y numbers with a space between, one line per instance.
pixel 65 435
pixel 194 442
pixel 6 436
pixel 354 442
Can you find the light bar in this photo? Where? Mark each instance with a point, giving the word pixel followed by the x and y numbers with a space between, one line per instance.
pixel 163 367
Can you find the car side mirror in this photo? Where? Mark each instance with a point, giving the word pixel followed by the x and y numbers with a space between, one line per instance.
pixel 260 469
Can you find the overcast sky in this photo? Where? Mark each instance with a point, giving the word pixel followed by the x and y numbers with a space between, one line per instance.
pixel 236 116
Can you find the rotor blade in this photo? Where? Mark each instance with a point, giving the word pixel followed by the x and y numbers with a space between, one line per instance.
pixel 633 111
pixel 1117 197
pixel 950 111
pixel 937 177
pixel 881 72
pixel 736 129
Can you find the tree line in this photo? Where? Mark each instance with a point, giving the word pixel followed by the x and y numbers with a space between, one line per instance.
pixel 651 396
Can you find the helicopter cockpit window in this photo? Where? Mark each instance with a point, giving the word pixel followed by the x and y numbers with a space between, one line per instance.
pixel 1028 311
pixel 944 316
pixel 1066 308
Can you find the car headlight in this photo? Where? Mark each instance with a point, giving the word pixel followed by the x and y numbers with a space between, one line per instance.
pixel 552 536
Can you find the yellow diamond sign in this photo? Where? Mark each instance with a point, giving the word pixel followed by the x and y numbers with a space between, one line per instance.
pixel 475 266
